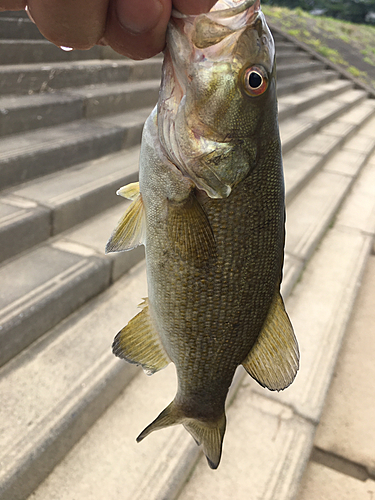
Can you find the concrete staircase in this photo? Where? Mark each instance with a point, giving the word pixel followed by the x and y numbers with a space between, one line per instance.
pixel 70 125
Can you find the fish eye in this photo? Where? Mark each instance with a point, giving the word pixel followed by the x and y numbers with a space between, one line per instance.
pixel 255 81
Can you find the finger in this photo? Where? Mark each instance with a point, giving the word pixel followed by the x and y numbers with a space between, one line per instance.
pixel 193 6
pixel 137 29
pixel 12 5
pixel 73 23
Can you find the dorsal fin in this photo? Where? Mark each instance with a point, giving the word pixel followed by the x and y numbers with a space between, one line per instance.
pixel 139 343
pixel 274 359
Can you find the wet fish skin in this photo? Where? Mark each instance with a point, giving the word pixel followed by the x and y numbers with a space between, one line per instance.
pixel 210 211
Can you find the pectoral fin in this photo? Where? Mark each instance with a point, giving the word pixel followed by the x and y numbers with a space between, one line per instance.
pixel 130 231
pixel 274 359
pixel 139 343
pixel 190 230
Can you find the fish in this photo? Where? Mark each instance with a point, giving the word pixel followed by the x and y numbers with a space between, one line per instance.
pixel 209 208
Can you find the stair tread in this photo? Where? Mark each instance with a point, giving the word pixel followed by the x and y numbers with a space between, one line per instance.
pixel 39 77
pixel 291 104
pixel 51 137
pixel 42 287
pixel 28 372
pixel 303 161
pixel 50 382
pixel 11 68
pixel 95 233
pixel 39 152
pixel 296 129
pixel 58 189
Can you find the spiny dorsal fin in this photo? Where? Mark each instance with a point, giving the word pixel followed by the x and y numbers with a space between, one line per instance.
pixel 139 343
pixel 190 230
pixel 130 231
pixel 274 359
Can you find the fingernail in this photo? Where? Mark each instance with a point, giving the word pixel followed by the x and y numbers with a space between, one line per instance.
pixel 29 14
pixel 139 17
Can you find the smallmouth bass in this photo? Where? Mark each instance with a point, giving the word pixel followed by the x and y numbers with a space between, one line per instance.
pixel 209 208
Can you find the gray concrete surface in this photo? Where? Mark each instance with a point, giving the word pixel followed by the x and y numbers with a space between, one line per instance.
pixel 67 377
pixel 345 437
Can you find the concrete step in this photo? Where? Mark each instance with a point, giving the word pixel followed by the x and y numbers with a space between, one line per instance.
pixel 296 129
pixel 23 113
pixel 94 234
pixel 14 14
pixel 312 211
pixel 299 82
pixel 42 51
pixel 59 201
pixel 41 288
pixel 279 428
pixel 37 153
pixel 118 98
pixel 291 56
pixel 303 209
pixel 31 78
pixel 290 69
pixel 61 396
pixel 52 280
pixel 285 45
pixel 65 381
pixel 330 483
pixel 18 29
pixel 292 104
pixel 278 37
pixel 308 157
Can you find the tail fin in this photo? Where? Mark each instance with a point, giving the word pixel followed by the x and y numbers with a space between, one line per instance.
pixel 207 433
pixel 210 435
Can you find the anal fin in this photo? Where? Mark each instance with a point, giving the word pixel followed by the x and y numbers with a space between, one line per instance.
pixel 139 343
pixel 130 231
pixel 274 359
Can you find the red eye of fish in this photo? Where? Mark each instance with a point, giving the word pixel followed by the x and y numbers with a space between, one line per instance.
pixel 255 81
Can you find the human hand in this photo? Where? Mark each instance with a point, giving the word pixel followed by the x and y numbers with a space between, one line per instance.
pixel 134 28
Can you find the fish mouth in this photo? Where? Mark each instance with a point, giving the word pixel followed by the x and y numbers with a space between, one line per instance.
pixel 225 18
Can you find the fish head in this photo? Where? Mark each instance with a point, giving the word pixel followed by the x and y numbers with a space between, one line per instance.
pixel 218 93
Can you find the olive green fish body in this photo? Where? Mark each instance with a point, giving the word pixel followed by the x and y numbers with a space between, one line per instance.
pixel 209 208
